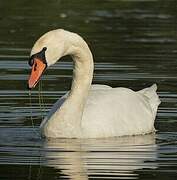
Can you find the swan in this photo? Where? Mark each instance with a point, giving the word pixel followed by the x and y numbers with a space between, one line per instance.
pixel 89 111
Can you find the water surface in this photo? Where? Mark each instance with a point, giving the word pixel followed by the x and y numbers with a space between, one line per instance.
pixel 134 45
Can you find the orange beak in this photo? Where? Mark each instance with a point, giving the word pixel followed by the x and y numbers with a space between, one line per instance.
pixel 36 72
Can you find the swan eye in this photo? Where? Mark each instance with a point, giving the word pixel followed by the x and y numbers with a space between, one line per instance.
pixel 44 49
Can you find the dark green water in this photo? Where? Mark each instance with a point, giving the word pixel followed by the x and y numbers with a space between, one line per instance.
pixel 134 43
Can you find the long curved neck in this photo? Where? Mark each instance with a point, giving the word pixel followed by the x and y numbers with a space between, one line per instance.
pixel 69 115
pixel 82 75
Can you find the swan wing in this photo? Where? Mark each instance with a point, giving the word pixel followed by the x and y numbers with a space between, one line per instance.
pixel 119 112
pixel 153 98
pixel 100 86
pixel 54 108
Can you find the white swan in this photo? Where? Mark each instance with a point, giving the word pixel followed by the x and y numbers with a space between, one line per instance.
pixel 89 111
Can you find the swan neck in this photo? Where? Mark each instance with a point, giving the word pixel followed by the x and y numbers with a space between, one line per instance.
pixel 73 107
pixel 69 115
pixel 82 74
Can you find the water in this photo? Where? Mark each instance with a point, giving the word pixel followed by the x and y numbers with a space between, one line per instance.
pixel 134 45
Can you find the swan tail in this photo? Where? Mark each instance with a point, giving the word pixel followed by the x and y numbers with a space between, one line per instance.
pixel 152 96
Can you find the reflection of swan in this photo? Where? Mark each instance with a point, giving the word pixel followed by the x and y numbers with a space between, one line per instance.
pixel 111 157
pixel 90 111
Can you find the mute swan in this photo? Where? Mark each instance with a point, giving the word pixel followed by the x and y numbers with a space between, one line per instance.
pixel 89 111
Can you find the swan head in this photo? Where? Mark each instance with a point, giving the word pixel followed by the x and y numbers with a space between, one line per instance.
pixel 47 50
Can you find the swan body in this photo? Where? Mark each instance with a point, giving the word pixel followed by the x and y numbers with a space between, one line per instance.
pixel 93 111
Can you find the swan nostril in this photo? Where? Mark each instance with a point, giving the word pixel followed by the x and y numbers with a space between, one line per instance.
pixel 35 67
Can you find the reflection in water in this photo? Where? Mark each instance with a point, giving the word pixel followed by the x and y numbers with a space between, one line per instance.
pixel 111 157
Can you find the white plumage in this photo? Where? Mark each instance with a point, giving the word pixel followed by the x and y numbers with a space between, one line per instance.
pixel 93 111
